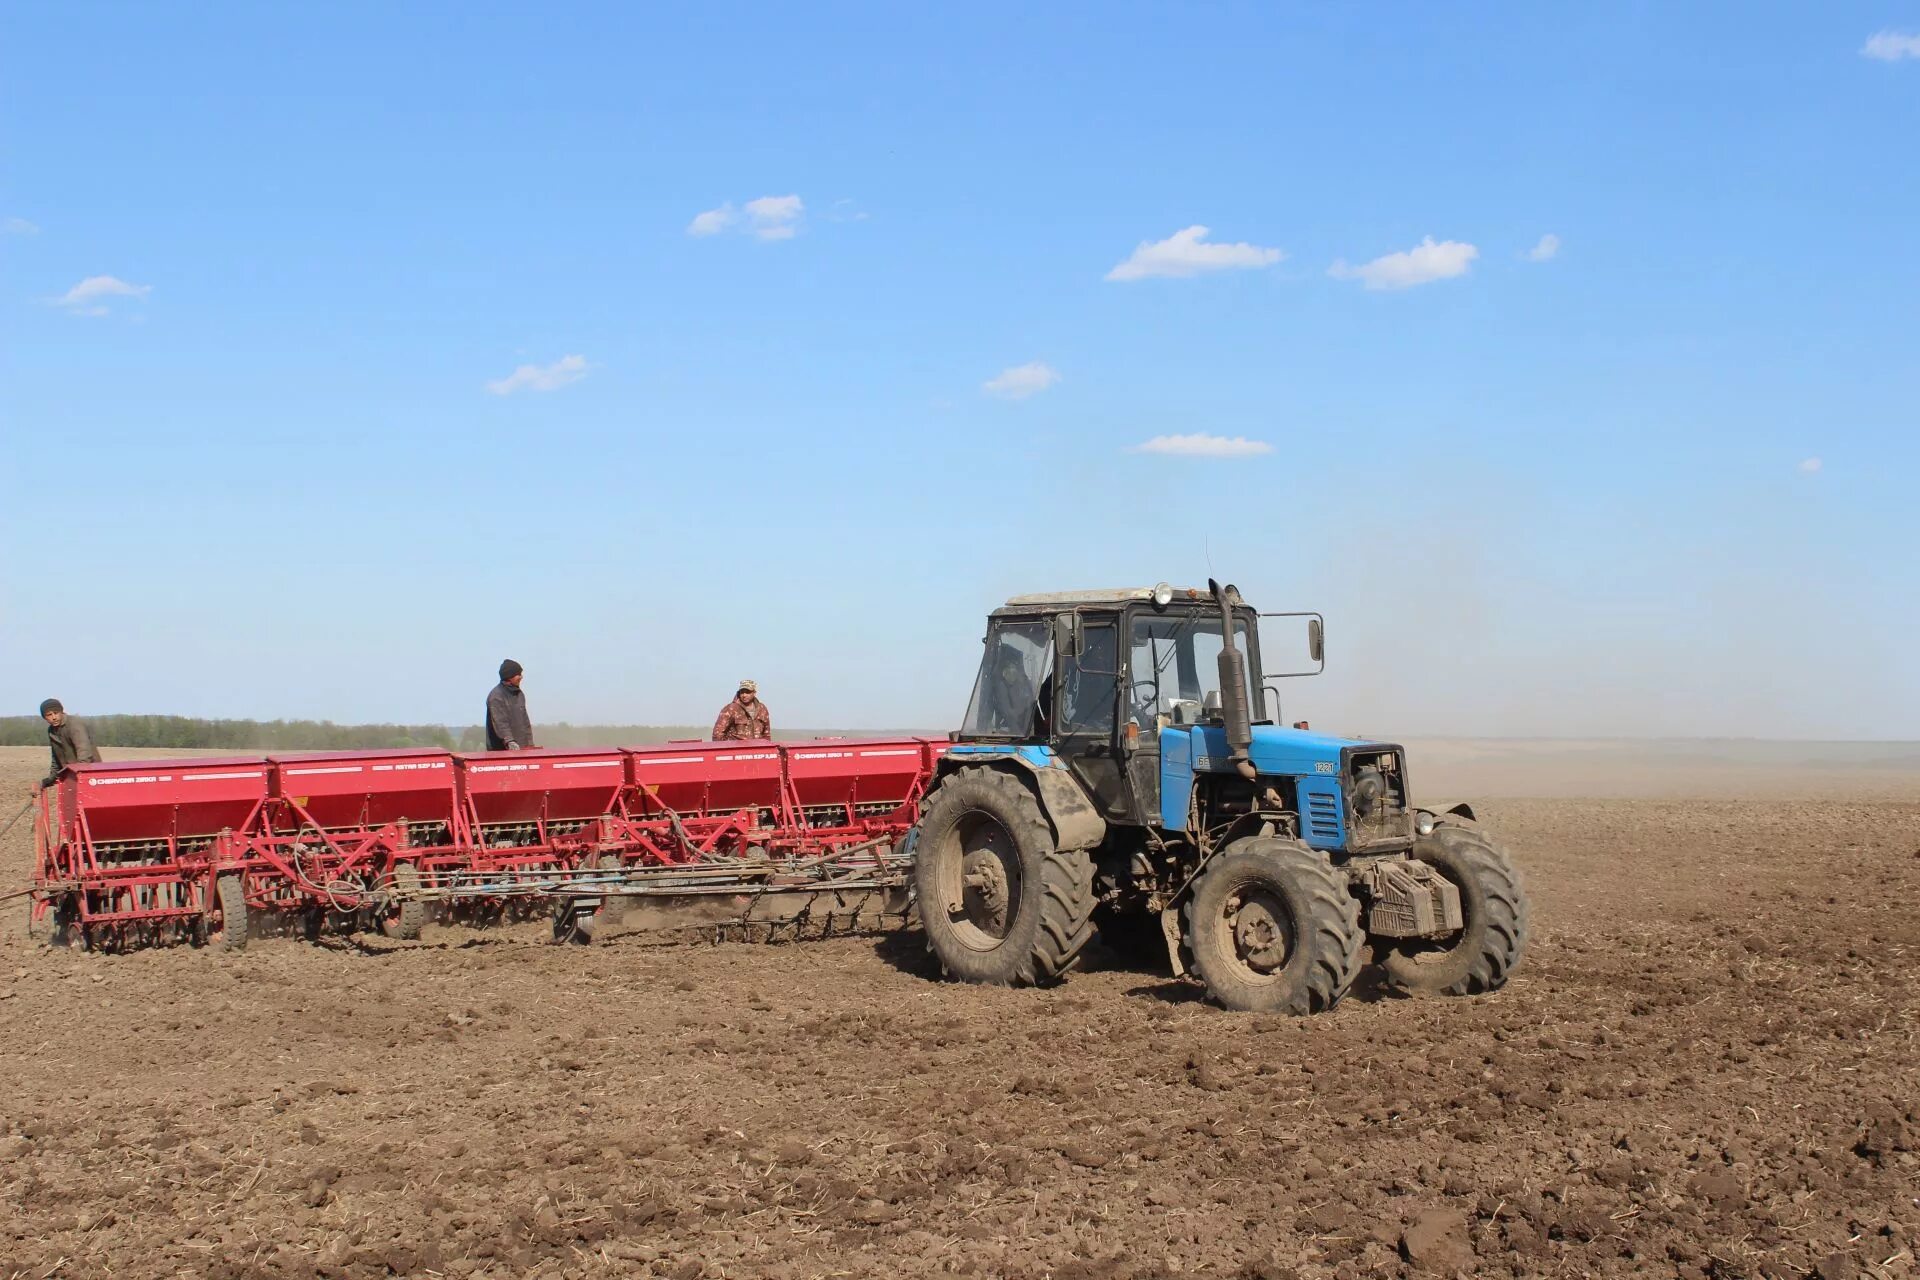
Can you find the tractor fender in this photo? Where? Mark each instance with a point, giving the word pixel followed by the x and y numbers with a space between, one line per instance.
pixel 1076 823
pixel 1462 810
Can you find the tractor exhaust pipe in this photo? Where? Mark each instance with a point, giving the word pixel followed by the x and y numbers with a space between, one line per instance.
pixel 1234 707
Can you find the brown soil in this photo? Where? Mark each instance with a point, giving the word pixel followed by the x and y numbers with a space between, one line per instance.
pixel 1706 1067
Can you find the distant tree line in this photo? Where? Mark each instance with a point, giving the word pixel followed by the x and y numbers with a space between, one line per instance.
pixel 194 733
pixel 236 735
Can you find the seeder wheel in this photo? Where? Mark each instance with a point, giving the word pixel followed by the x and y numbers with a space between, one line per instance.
pixel 66 912
pixel 572 922
pixel 613 909
pixel 230 889
pixel 406 918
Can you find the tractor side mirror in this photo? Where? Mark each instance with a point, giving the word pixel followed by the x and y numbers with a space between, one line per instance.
pixel 1066 635
pixel 1277 653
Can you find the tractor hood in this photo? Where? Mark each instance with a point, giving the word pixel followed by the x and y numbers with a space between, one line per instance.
pixel 1298 751
pixel 1275 750
pixel 1314 758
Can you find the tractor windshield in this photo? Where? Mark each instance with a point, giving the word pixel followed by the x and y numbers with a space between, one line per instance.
pixel 1175 671
pixel 1007 698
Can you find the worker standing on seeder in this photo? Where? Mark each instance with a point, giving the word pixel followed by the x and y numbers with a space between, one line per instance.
pixel 509 728
pixel 68 740
pixel 744 718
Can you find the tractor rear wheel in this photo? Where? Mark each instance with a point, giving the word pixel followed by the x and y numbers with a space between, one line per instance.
pixel 1273 928
pixel 1000 904
pixel 1493 903
pixel 231 891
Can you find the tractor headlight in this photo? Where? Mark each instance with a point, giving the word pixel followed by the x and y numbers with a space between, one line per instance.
pixel 1424 824
pixel 1162 595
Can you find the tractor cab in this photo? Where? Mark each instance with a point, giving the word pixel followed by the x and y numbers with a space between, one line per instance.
pixel 1097 678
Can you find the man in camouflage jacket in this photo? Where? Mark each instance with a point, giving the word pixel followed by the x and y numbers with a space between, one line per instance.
pixel 744 718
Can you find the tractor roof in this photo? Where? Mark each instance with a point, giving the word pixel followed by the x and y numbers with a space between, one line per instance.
pixel 1055 600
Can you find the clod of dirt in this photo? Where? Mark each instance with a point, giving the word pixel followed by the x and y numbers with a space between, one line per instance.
pixel 1837 1266
pixel 1329 1219
pixel 1205 1075
pixel 1086 1154
pixel 1719 1186
pixel 1883 1132
pixel 1437 1241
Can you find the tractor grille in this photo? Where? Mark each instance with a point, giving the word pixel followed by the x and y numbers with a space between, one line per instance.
pixel 1323 815
pixel 1377 800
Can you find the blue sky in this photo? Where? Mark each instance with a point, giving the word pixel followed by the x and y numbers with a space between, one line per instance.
pixel 268 275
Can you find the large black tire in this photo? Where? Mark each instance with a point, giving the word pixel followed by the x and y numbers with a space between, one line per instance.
pixel 408 918
pixel 1494 904
pixel 231 891
pixel 1273 928
pixel 1030 910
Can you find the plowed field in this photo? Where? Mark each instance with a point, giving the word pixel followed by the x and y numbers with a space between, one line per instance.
pixel 1706 1066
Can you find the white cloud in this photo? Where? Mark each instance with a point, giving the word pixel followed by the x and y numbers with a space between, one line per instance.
pixel 775 217
pixel 1809 465
pixel 1422 264
pixel 1021 381
pixel 541 377
pixel 19 227
pixel 1187 253
pixel 713 221
pixel 1201 445
pixel 88 297
pixel 1891 46
pixel 1546 250
pixel 765 218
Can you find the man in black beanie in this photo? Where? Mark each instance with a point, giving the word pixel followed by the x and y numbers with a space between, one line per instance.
pixel 508 727
pixel 68 738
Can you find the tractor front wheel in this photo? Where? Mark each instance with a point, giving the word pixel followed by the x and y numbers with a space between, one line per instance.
pixel 1001 905
pixel 1493 904
pixel 1273 928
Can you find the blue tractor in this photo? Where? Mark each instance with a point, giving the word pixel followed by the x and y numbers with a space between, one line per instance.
pixel 1111 776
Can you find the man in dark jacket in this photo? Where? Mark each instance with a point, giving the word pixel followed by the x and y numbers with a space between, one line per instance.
pixel 508 727
pixel 68 739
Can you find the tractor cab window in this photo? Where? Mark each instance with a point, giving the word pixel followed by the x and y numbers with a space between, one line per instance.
pixel 1086 704
pixel 1174 677
pixel 1008 698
